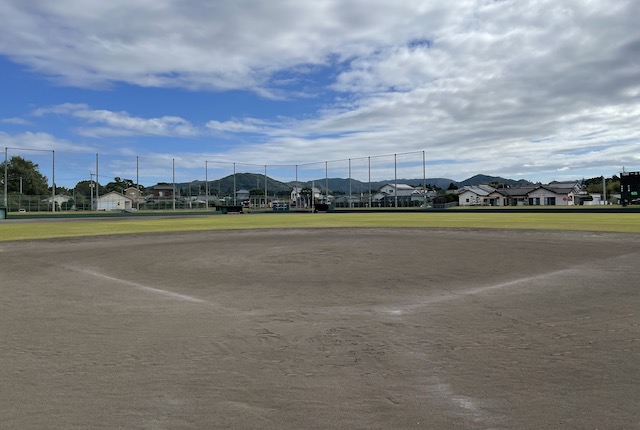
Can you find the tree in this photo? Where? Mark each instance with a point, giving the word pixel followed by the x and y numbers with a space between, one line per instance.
pixel 594 185
pixel 84 188
pixel 452 186
pixel 497 185
pixel 24 175
pixel 118 185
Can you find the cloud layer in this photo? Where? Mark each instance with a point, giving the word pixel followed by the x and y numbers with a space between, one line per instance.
pixel 540 89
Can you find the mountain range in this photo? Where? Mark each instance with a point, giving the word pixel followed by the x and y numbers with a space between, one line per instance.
pixel 250 181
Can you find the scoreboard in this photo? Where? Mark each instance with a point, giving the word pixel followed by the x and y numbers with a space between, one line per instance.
pixel 630 188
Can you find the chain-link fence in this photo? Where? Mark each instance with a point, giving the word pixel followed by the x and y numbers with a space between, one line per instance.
pixel 85 182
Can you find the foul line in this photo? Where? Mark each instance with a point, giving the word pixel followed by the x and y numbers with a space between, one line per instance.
pixel 477 290
pixel 166 293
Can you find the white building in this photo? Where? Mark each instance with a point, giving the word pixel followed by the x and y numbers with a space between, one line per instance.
pixel 114 201
pixel 554 194
pixel 302 200
pixel 475 195
pixel 401 190
pixel 59 199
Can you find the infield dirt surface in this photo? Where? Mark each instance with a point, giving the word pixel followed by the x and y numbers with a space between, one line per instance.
pixel 322 329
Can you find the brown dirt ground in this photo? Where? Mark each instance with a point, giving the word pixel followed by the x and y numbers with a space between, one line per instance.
pixel 322 329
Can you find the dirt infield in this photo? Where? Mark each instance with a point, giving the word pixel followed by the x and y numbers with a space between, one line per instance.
pixel 324 329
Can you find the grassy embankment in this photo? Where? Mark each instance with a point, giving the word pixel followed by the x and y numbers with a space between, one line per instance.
pixel 615 222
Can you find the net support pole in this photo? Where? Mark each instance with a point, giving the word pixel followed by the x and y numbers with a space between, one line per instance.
pixel 6 176
pixel 173 160
pixel 53 181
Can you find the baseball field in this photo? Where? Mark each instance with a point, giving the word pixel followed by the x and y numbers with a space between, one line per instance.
pixel 401 321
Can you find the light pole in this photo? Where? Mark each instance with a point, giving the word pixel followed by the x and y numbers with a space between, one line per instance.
pixel 350 206
pixel 174 184
pixel 91 185
pixel 424 177
pixel 53 181
pixel 395 174
pixel 6 177
pixel 137 183
pixel 206 183
pixel 97 181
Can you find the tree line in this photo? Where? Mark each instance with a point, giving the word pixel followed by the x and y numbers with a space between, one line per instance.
pixel 24 177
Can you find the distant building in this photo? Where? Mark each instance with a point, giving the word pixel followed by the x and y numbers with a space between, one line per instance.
pixel 390 194
pixel 114 201
pixel 302 200
pixel 475 195
pixel 135 195
pixel 59 199
pixel 162 191
pixel 242 195
pixel 629 188
pixel 554 194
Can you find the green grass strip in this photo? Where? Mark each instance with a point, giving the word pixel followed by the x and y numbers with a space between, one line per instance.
pixel 615 222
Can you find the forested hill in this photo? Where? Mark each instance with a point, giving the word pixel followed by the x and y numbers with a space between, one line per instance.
pixel 253 181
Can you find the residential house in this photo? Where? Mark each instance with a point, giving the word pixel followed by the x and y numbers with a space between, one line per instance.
pixel 400 190
pixel 554 194
pixel 347 201
pixel 420 195
pixel 302 200
pixel 135 195
pixel 573 193
pixel 162 191
pixel 242 195
pixel 518 196
pixel 476 195
pixel 390 194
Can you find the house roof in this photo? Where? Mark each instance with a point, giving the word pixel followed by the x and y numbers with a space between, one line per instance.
pixel 481 190
pixel 515 192
pixel 401 186
pixel 558 189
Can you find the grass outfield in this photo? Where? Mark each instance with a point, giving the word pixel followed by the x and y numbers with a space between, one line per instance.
pixel 623 223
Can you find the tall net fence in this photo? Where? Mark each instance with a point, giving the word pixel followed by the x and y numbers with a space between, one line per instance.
pixel 90 181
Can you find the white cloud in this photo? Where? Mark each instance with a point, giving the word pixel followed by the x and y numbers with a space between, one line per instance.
pixel 121 123
pixel 217 45
pixel 246 125
pixel 14 120
pixel 537 88
pixel 30 141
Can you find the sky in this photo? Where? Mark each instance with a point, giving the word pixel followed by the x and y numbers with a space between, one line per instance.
pixel 541 90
